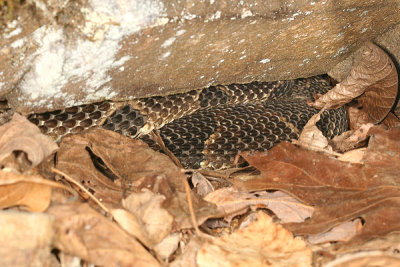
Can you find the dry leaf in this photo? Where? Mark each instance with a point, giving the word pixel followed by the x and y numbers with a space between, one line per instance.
pixel 311 137
pixel 131 224
pixel 374 79
pixel 201 185
pixel 351 139
pixel 353 156
pixel 343 232
pixel 188 257
pixel 369 191
pixel 83 232
pixel 112 165
pixel 232 202
pixel 33 193
pixel 167 246
pixel 366 258
pixel 146 207
pixel 262 243
pixel 26 239
pixel 391 121
pixel 357 117
pixel 21 135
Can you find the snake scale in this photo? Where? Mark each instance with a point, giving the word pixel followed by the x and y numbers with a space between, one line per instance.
pixel 207 128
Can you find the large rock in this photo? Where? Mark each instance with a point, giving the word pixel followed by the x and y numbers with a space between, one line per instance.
pixel 128 49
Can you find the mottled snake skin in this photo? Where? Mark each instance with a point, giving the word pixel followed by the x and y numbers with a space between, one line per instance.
pixel 207 128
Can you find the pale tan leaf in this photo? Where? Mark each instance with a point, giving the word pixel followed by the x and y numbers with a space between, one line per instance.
pixel 263 243
pixel 233 202
pixel 343 232
pixel 83 232
pixel 26 239
pixel 201 185
pixel 351 139
pixel 146 207
pixel 391 121
pixel 21 135
pixel 188 257
pixel 375 76
pixel 130 223
pixel 32 193
pixel 167 246
pixel 311 137
pixel 357 117
pixel 366 258
pixel 354 156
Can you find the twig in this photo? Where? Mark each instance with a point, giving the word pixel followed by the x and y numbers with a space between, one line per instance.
pixel 156 135
pixel 190 204
pixel 69 179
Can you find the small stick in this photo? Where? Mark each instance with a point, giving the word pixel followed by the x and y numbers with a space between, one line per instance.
pixel 190 204
pixel 157 136
pixel 69 179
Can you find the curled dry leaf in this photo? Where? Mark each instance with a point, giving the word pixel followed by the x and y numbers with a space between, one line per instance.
pixel 131 224
pixel 375 76
pixel 391 121
pixel 286 207
pixel 357 117
pixel 168 245
pixel 26 239
pixel 146 207
pixel 188 257
pixel 32 193
pixel 339 191
pixel 111 164
pixel 262 243
pixel 21 135
pixel 201 185
pixel 351 139
pixel 342 232
pixel 83 232
pixel 311 137
pixel 366 258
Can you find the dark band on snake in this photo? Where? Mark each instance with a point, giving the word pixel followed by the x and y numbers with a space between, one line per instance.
pixel 207 128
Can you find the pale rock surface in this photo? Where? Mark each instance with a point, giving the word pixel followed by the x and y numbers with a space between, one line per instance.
pixel 68 53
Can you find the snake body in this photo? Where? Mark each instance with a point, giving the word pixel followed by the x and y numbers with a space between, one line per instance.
pixel 207 128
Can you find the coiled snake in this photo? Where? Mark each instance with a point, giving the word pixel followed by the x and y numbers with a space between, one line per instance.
pixel 208 127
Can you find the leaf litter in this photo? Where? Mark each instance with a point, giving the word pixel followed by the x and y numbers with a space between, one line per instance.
pixel 109 200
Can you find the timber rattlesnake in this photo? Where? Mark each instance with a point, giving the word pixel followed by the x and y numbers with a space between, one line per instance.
pixel 208 127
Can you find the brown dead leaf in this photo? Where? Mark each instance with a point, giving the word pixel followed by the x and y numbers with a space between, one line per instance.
pixel 188 257
pixel 262 243
pixel 357 117
pixel 353 156
pixel 342 232
pixel 26 239
pixel 311 137
pixel 366 258
pixel 32 193
pixel 374 79
pixel 168 245
pixel 21 135
pixel 391 121
pixel 233 202
pixel 83 232
pixel 339 191
pixel 200 184
pixel 131 224
pixel 112 165
pixel 146 207
pixel 351 139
